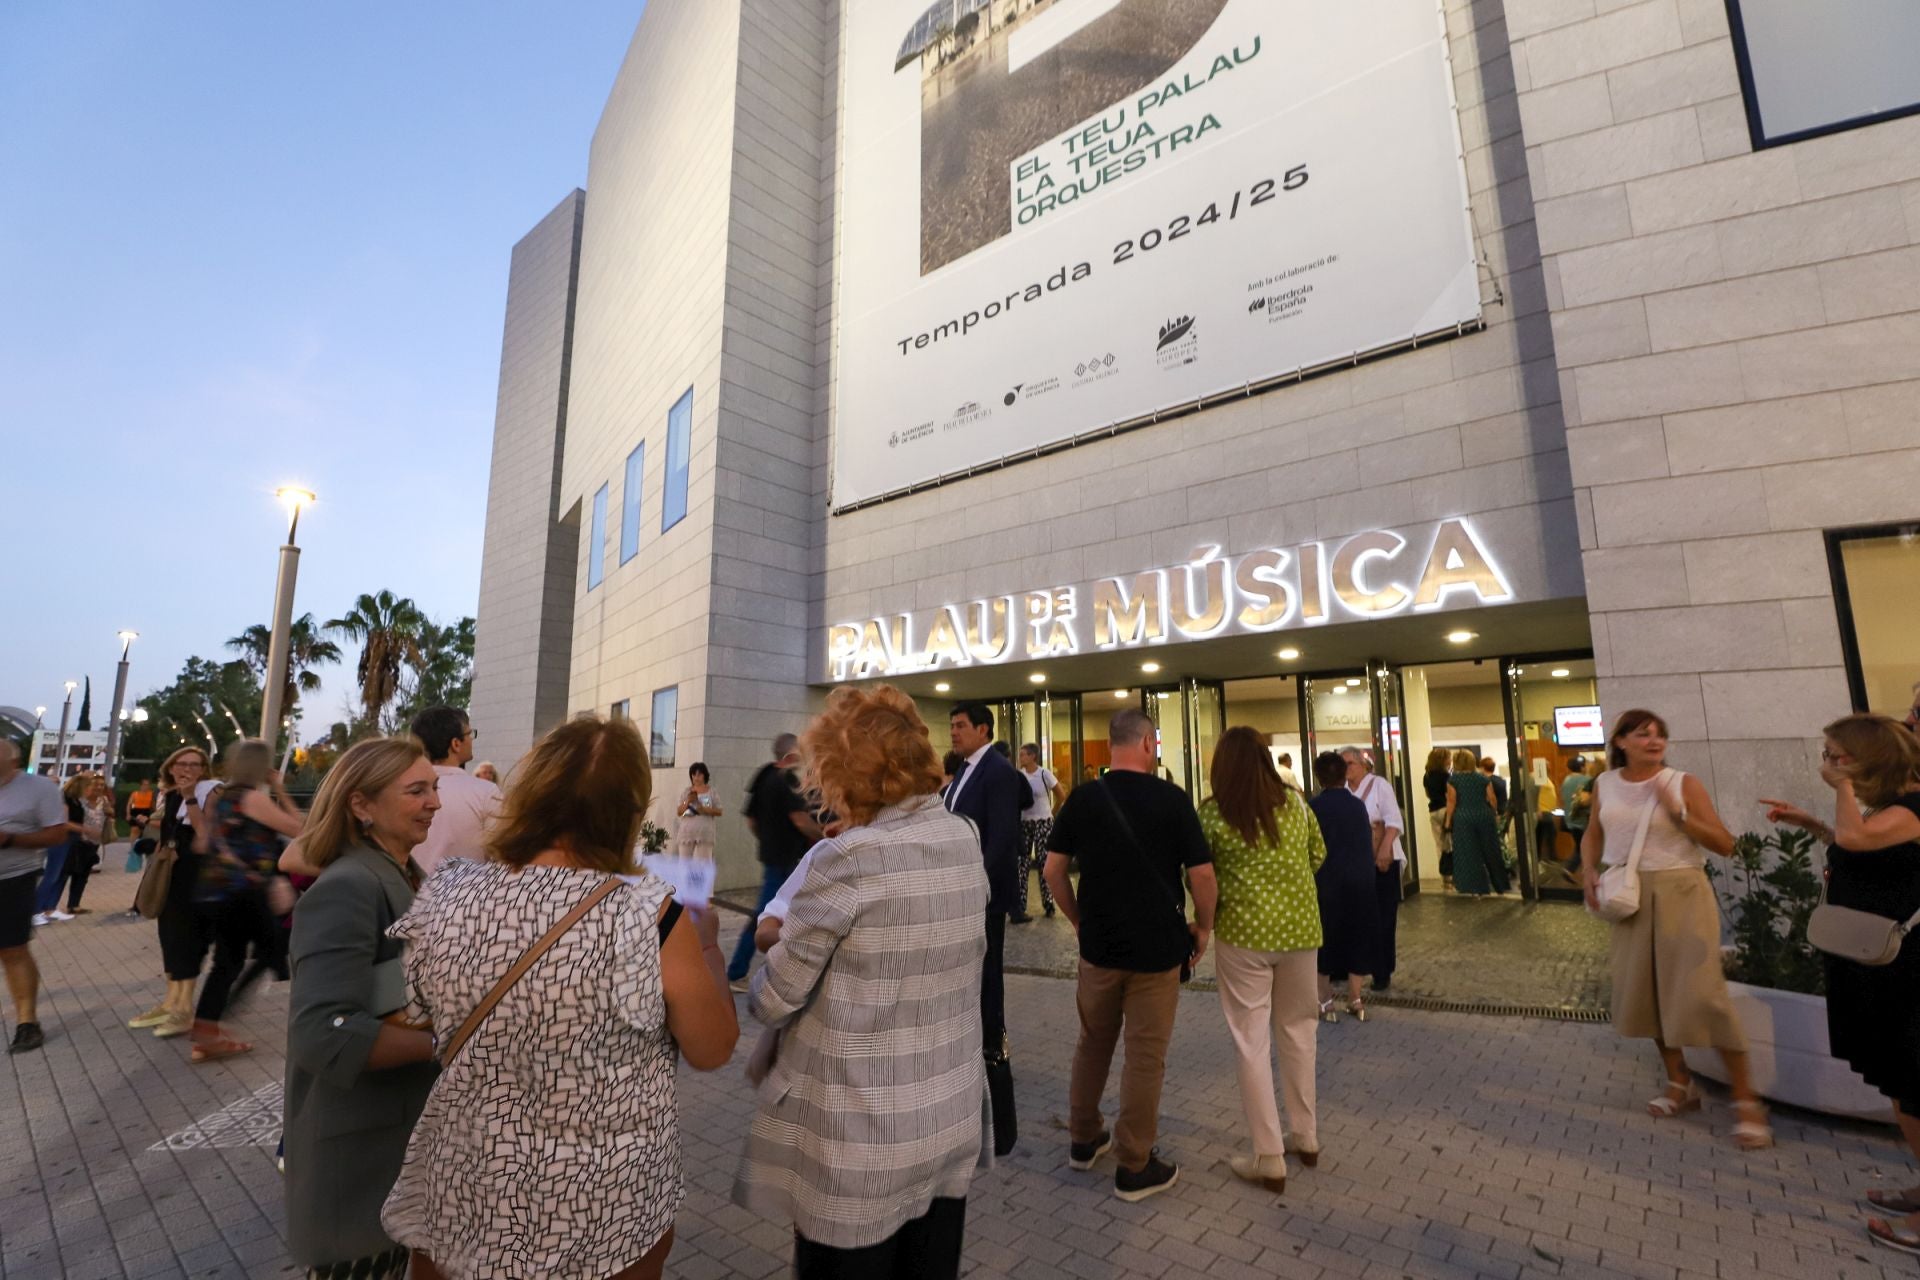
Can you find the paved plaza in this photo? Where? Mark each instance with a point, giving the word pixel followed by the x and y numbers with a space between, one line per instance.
pixel 1456 1145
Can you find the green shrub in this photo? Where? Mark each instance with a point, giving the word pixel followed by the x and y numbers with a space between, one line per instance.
pixel 1767 891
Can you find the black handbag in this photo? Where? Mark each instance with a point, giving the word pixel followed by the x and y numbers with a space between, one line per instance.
pixel 1006 1121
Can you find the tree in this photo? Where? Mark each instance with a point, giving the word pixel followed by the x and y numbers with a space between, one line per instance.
pixel 443 675
pixel 388 629
pixel 307 648
pixel 86 707
pixel 188 711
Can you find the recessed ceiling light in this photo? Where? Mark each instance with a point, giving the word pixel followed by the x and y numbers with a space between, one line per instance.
pixel 1123 693
pixel 1353 684
pixel 943 687
pixel 1038 677
pixel 1289 655
pixel 1561 673
pixel 1149 667
pixel 1338 689
pixel 1462 637
pixel 1163 696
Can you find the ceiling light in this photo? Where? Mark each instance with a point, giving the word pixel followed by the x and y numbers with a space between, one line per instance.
pixel 943 687
pixel 1123 693
pixel 1038 678
pixel 1289 655
pixel 1163 696
pixel 1353 684
pixel 1462 637
pixel 1561 673
pixel 1149 667
pixel 1338 689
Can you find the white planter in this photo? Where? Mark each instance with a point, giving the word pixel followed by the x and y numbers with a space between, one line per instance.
pixel 1790 1058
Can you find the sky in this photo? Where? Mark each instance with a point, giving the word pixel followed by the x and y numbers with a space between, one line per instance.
pixel 245 245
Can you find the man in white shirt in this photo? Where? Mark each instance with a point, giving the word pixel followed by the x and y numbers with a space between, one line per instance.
pixel 33 818
pixel 467 803
pixel 1284 763
pixel 1383 811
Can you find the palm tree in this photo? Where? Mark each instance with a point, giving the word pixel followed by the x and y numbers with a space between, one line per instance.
pixel 306 648
pixel 388 628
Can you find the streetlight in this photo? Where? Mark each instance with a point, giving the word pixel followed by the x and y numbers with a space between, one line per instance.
pixel 271 697
pixel 60 754
pixel 119 697
pixel 39 714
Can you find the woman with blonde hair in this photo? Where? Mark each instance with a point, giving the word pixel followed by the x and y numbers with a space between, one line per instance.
pixel 873 1116
pixel 1873 865
pixel 1473 809
pixel 187 786
pixel 358 1070
pixel 1266 848
pixel 1668 982
pixel 621 976
pixel 1434 781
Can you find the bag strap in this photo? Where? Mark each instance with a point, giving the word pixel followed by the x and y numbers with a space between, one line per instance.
pixel 1140 853
pixel 1646 823
pixel 520 967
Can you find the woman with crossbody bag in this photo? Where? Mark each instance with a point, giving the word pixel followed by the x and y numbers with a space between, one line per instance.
pixel 1873 879
pixel 1656 825
pixel 560 980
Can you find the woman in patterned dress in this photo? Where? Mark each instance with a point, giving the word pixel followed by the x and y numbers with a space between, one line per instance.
pixel 1266 846
pixel 551 1144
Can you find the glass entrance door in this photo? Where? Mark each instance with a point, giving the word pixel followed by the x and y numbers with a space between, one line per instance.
pixel 1336 712
pixel 1390 756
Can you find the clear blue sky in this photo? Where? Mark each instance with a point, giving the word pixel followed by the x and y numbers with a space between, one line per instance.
pixel 243 244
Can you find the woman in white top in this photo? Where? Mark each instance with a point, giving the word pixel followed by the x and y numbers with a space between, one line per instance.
pixel 1036 824
pixel 695 832
pixel 1668 983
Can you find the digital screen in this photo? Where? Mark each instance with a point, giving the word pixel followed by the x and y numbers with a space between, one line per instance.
pixel 1579 727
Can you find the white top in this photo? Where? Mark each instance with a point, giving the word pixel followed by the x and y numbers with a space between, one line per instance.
pixel 781 903
pixel 1382 808
pixel 1288 776
pixel 467 805
pixel 1668 848
pixel 1043 784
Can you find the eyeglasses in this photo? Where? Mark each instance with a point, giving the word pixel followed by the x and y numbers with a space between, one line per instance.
pixel 1833 757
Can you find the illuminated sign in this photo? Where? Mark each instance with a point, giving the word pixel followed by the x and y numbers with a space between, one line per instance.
pixel 1579 727
pixel 1370 575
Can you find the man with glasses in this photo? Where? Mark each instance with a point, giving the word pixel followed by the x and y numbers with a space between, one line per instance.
pixel 467 803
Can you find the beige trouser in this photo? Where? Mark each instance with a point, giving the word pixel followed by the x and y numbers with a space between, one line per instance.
pixel 1272 1002
pixel 1143 1005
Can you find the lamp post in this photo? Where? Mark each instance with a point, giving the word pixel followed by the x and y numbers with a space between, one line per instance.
pixel 60 753
pixel 39 714
pixel 277 657
pixel 119 696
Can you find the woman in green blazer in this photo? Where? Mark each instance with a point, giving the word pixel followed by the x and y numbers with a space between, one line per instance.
pixel 357 1075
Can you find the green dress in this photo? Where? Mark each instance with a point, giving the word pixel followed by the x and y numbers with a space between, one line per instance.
pixel 1478 864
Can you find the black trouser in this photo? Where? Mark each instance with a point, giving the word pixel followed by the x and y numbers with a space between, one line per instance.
pixel 1386 895
pixel 183 937
pixel 928 1248
pixel 233 926
pixel 993 983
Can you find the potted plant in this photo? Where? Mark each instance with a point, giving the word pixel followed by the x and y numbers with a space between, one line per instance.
pixel 1778 981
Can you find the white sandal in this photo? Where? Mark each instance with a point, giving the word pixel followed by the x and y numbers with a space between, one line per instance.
pixel 1752 1134
pixel 1666 1106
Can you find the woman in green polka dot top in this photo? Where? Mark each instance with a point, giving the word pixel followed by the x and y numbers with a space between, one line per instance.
pixel 1266 845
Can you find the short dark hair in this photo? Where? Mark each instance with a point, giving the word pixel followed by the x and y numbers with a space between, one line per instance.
pixel 700 767
pixel 978 714
pixel 1128 726
pixel 437 727
pixel 1000 745
pixel 1330 770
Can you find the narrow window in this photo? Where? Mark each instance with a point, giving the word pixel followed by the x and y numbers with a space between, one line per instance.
pixel 597 541
pixel 630 503
pixel 666 714
pixel 673 508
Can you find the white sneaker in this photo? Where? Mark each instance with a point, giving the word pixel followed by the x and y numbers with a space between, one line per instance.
pixel 59 915
pixel 39 921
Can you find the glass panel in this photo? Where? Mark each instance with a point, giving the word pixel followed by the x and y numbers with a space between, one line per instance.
pixel 1169 711
pixel 1096 710
pixel 1339 714
pixel 673 507
pixel 1064 741
pixel 1559 722
pixel 1270 705
pixel 664 726
pixel 630 491
pixel 1879 576
pixel 597 541
pixel 1207 711
pixel 621 709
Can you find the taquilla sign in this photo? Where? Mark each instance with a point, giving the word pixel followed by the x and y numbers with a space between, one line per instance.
pixel 1370 575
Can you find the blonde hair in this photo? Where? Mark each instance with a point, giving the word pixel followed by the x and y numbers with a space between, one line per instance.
pixel 869 749
pixel 1886 759
pixel 247 762
pixel 367 769
pixel 1464 761
pixel 75 787
pixel 584 787
pixel 166 766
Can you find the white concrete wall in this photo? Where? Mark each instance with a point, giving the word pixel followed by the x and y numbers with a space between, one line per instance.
pixel 523 626
pixel 1739 344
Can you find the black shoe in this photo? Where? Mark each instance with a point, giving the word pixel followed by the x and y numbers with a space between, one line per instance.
pixel 1156 1177
pixel 1022 918
pixel 1383 984
pixel 1081 1155
pixel 1049 911
pixel 26 1038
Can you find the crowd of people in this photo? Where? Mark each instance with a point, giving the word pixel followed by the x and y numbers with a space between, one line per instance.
pixel 489 993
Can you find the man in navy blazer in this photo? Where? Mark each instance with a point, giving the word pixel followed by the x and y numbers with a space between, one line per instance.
pixel 990 791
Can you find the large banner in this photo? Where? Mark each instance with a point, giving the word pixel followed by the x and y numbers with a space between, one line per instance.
pixel 1061 215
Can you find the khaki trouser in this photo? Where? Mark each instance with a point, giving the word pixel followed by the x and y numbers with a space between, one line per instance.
pixel 1143 1004
pixel 1272 1001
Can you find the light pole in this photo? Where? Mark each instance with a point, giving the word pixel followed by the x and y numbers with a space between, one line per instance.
pixel 60 753
pixel 39 714
pixel 119 696
pixel 272 696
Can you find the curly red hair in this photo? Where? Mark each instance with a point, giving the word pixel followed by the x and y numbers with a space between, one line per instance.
pixel 869 749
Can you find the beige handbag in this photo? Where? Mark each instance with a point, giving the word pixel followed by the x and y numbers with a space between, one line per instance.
pixel 1859 936
pixel 1617 895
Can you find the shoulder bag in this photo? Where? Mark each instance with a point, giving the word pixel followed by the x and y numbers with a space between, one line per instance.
pixel 1617 896
pixel 156 882
pixel 1153 877
pixel 458 1040
pixel 1859 936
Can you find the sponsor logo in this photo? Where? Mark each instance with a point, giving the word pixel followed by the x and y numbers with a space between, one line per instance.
pixel 919 431
pixel 1095 369
pixel 1013 396
pixel 1284 305
pixel 1179 344
pixel 966 415
pixel 1174 331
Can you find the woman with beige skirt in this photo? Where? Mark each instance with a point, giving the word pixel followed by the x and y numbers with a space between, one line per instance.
pixel 696 830
pixel 1668 983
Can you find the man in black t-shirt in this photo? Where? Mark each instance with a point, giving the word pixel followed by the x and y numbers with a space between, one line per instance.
pixel 785 830
pixel 1132 834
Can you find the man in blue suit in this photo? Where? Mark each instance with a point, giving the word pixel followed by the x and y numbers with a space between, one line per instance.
pixel 990 791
